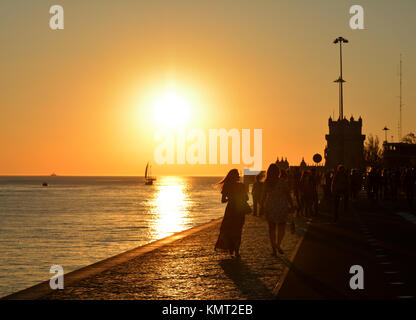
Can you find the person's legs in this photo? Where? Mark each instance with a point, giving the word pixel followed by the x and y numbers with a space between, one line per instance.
pixel 409 196
pixel 281 229
pixel 336 205
pixel 307 210
pixel 297 196
pixel 315 205
pixel 301 206
pixel 238 239
pixel 346 202
pixel 237 251
pixel 260 213
pixel 272 235
pixel 255 206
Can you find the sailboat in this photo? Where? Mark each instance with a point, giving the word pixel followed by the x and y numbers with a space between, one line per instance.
pixel 148 179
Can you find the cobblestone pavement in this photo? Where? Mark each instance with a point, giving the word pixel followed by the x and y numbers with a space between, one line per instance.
pixel 189 268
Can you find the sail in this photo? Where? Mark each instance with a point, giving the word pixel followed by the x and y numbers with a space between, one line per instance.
pixel 145 173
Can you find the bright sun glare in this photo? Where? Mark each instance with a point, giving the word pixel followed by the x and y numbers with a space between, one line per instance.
pixel 171 110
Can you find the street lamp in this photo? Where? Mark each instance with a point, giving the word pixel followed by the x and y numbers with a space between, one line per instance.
pixel 340 80
pixel 385 129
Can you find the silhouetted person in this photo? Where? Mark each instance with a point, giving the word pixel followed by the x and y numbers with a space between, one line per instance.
pixel 409 185
pixel 277 204
pixel 356 182
pixel 257 192
pixel 329 175
pixel 395 184
pixel 234 193
pixel 385 184
pixel 315 183
pixel 377 185
pixel 296 190
pixel 307 190
pixel 374 182
pixel 340 189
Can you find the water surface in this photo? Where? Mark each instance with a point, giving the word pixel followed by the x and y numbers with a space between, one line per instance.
pixel 76 221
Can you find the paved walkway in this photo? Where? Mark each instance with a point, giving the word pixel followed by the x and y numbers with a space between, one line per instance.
pixel 372 236
pixel 190 269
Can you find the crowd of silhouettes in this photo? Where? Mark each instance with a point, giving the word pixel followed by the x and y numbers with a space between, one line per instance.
pixel 387 184
pixel 272 197
pixel 379 184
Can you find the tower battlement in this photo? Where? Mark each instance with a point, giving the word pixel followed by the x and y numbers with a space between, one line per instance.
pixel 345 126
pixel 345 143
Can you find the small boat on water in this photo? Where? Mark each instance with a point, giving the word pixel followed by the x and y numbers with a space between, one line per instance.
pixel 53 174
pixel 45 184
pixel 148 179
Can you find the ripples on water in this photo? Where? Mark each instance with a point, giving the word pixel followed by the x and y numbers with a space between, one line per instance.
pixel 76 221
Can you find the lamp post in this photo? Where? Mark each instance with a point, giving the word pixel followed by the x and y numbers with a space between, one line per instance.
pixel 340 80
pixel 385 129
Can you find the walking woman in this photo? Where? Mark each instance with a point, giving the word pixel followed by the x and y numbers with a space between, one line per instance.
pixel 277 204
pixel 307 189
pixel 234 193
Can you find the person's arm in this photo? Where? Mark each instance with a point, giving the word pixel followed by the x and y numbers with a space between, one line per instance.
pixel 263 195
pixel 254 189
pixel 288 196
pixel 333 184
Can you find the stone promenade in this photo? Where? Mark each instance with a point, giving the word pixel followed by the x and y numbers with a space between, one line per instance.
pixel 189 268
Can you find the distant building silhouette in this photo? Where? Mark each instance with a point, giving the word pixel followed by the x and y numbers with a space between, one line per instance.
pixel 303 164
pixel 345 143
pixel 396 155
pixel 282 164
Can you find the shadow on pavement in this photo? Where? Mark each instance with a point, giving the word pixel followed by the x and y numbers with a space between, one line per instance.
pixel 315 284
pixel 246 281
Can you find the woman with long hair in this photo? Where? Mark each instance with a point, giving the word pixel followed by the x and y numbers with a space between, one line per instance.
pixel 235 195
pixel 277 204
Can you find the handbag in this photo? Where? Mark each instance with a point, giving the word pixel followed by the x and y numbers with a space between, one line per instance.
pixel 246 209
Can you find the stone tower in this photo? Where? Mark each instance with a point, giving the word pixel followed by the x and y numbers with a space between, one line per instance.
pixel 345 144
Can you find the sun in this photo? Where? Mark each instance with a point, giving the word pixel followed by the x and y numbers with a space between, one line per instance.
pixel 171 110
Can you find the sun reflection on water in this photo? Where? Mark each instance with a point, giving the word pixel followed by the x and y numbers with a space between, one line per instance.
pixel 170 207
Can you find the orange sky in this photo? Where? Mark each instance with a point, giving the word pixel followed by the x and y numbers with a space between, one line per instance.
pixel 79 101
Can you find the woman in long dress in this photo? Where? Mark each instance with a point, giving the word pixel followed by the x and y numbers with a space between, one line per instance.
pixel 235 195
pixel 277 204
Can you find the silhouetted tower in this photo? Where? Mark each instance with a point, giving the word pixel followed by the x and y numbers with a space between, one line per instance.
pixel 340 80
pixel 345 141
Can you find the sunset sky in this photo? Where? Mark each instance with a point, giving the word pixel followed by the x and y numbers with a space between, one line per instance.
pixel 81 101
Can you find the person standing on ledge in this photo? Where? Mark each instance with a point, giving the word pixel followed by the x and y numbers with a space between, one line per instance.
pixel 235 195
pixel 277 204
pixel 340 188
